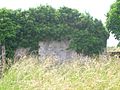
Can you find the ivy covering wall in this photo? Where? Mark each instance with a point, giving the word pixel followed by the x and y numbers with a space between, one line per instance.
pixel 27 28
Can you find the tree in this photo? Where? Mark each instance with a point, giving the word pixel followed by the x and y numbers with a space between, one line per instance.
pixel 7 28
pixel 113 19
pixel 91 36
pixel 44 23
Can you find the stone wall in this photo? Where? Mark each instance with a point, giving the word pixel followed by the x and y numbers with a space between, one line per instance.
pixel 21 53
pixel 57 49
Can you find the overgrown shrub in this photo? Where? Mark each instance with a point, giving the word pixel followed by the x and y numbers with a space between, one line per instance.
pixel 44 23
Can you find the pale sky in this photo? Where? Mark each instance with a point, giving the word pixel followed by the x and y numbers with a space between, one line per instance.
pixel 97 8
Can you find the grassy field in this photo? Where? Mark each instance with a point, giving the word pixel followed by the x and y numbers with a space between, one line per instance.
pixel 28 74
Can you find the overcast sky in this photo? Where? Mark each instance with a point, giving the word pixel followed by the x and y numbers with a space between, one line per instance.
pixel 97 8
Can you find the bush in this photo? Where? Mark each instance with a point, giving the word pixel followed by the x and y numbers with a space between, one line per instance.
pixel 44 23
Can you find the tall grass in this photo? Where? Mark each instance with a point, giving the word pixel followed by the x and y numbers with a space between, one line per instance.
pixel 31 74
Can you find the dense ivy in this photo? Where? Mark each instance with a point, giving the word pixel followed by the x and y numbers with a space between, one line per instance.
pixel 44 23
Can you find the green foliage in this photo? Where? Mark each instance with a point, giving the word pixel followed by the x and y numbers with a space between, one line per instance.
pixel 113 19
pixel 118 44
pixel 86 43
pixel 7 25
pixel 44 23
pixel 91 38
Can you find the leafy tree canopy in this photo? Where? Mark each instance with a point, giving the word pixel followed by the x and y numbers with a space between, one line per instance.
pixel 8 27
pixel 44 23
pixel 113 19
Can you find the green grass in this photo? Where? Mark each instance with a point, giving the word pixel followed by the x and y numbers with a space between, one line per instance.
pixel 28 74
